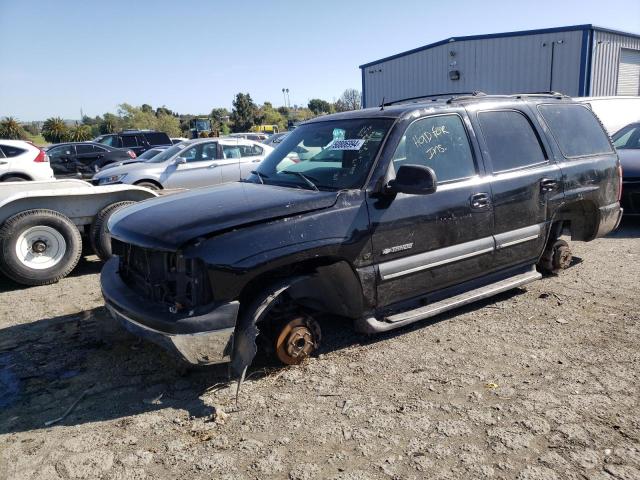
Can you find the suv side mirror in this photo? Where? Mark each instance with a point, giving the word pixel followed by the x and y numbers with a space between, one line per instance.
pixel 414 180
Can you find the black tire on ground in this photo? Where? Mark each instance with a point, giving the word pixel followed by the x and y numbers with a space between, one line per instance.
pixel 22 229
pixel 99 234
pixel 149 185
pixel 14 179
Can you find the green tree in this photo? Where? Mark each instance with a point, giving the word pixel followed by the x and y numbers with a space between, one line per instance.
pixel 54 130
pixel 168 124
pixel 244 112
pixel 110 123
pixel 32 128
pixel 134 117
pixel 270 116
pixel 319 106
pixel 11 129
pixel 78 133
pixel 146 108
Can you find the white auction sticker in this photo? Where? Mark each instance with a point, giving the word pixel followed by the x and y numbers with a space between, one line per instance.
pixel 355 144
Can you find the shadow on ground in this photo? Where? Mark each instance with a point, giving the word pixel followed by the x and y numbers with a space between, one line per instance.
pixel 86 266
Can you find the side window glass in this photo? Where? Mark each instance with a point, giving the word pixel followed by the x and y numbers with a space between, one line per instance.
pixel 576 130
pixel 84 149
pixel 628 137
pixel 231 151
pixel 511 140
pixel 210 151
pixel 439 142
pixel 111 141
pixel 128 141
pixel 191 155
pixel 61 151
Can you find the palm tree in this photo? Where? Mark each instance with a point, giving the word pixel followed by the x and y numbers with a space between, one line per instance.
pixel 79 133
pixel 10 129
pixel 54 130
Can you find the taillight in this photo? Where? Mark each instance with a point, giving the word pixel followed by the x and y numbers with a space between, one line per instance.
pixel 131 153
pixel 619 182
pixel 42 157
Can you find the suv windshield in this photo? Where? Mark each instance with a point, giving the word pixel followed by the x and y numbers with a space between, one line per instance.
pixel 168 153
pixel 331 155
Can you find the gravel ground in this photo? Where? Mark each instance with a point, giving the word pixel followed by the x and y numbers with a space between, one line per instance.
pixel 538 383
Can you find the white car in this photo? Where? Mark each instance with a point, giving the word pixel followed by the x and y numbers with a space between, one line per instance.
pixel 195 163
pixel 20 161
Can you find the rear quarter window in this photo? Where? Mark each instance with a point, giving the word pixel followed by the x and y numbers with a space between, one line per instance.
pixel 11 151
pixel 157 138
pixel 576 130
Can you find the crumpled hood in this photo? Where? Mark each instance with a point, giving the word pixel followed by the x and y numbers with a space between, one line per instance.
pixel 168 222
pixel 630 161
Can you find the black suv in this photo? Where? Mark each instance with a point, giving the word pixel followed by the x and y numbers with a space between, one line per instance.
pixel 84 159
pixel 137 140
pixel 388 216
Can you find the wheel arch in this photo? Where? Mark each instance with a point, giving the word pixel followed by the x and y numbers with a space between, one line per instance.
pixel 581 218
pixel 16 174
pixel 149 180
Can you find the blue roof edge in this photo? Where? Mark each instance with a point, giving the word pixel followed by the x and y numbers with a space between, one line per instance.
pixel 569 28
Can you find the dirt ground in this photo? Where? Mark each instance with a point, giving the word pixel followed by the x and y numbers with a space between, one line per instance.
pixel 542 382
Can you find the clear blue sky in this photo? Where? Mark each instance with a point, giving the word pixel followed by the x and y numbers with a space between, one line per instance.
pixel 60 55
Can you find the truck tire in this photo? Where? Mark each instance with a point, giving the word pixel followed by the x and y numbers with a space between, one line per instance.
pixel 99 234
pixel 39 247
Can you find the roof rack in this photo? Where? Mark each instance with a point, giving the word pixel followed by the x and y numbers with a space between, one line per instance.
pixel 433 97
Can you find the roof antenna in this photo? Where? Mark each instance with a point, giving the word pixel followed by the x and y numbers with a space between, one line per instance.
pixel 382 105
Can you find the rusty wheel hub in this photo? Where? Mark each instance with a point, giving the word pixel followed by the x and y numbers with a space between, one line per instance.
pixel 297 339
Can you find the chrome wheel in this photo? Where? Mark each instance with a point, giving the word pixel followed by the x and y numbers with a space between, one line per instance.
pixel 40 247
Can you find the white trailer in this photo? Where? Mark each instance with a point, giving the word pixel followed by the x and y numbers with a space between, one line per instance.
pixel 42 225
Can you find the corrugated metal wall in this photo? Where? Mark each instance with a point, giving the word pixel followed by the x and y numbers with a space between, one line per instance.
pixel 493 65
pixel 605 60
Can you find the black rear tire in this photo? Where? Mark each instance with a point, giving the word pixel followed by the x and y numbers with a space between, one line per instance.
pixel 14 179
pixel 99 234
pixel 21 230
pixel 149 185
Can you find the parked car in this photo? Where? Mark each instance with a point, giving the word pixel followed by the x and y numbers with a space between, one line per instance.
pixel 84 159
pixel 627 142
pixel 195 163
pixel 148 155
pixel 137 140
pixel 255 136
pixel 20 160
pixel 275 139
pixel 404 212
pixel 178 140
pixel 614 112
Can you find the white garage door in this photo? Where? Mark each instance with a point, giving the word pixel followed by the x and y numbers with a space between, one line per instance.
pixel 629 72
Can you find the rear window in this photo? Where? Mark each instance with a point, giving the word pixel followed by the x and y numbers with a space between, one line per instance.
pixel 576 130
pixel 157 138
pixel 511 140
pixel 11 151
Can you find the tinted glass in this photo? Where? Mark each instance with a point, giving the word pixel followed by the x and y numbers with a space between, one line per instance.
pixel 149 154
pixel 61 150
pixel 250 150
pixel 440 143
pixel 157 138
pixel 129 141
pixel 334 154
pixel 231 151
pixel 511 140
pixel 11 151
pixel 2 155
pixel 191 155
pixel 84 149
pixel 576 130
pixel 628 137
pixel 169 152
pixel 110 140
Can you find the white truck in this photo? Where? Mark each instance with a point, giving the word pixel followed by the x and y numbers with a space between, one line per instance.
pixel 42 225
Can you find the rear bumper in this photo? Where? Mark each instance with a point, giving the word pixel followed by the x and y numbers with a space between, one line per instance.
pixel 610 216
pixel 631 197
pixel 203 338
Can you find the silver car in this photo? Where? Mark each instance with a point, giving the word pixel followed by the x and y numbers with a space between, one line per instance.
pixel 194 163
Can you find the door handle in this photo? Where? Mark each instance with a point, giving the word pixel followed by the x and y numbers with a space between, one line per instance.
pixel 213 165
pixel 480 201
pixel 548 185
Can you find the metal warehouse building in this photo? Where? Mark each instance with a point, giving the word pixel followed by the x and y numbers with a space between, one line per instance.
pixel 580 60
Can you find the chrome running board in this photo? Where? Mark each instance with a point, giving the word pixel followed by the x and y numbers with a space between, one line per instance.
pixel 373 325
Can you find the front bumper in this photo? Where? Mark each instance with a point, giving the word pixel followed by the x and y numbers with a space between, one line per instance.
pixel 202 338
